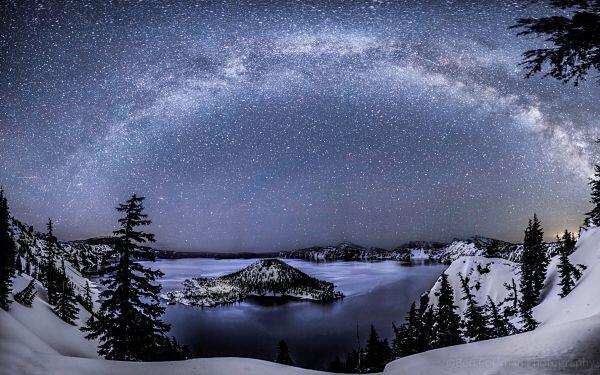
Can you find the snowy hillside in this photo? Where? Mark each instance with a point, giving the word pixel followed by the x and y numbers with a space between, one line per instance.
pixel 417 250
pixel 567 341
pixel 84 256
pixel 270 277
pixel 343 251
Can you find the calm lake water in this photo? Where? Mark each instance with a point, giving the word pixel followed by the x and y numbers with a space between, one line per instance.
pixel 377 293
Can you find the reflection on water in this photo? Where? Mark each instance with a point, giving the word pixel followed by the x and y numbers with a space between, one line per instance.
pixel 377 293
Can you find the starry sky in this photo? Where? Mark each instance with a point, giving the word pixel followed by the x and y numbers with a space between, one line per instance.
pixel 260 126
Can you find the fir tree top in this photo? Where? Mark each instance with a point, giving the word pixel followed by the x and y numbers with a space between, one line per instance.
pixel 593 216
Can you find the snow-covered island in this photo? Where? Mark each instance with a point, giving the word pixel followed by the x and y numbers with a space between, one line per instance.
pixel 267 277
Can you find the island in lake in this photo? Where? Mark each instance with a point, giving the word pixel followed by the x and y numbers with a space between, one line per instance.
pixel 265 278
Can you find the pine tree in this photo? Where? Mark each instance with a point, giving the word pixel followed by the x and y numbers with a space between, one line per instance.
pixel 593 217
pixel 499 325
pixel 534 263
pixel 475 321
pixel 447 321
pixel 571 48
pixel 66 302
pixel 52 276
pixel 88 303
pixel 404 342
pixel 283 354
pixel 377 353
pixel 415 335
pixel 352 363
pixel 27 265
pixel 26 296
pixel 18 264
pixel 7 253
pixel 513 298
pixel 128 323
pixel 568 273
pixel 426 334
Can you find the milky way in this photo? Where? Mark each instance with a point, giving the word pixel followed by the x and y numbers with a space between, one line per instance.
pixel 271 125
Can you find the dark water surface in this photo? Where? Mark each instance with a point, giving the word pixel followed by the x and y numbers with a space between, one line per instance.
pixel 377 293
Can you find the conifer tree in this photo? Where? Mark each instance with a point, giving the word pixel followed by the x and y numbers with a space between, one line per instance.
pixel 415 335
pixel 27 265
pixel 475 321
pixel 499 325
pixel 513 298
pixel 18 264
pixel 128 323
pixel 26 296
pixel 283 354
pixel 352 363
pixel 568 273
pixel 593 217
pixel 534 263
pixel 7 253
pixel 52 276
pixel 425 335
pixel 404 342
pixel 377 353
pixel 88 303
pixel 66 302
pixel 447 321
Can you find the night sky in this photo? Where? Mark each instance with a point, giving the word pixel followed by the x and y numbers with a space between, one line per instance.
pixel 274 125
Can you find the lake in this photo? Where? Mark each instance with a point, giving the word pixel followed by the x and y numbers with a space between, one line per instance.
pixel 377 293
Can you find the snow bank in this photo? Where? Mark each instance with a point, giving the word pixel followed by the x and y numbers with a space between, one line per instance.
pixel 567 341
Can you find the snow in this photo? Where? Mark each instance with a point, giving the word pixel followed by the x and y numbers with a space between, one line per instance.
pixel 491 283
pixel 567 341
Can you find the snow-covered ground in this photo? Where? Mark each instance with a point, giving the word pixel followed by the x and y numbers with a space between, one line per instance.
pixel 34 341
pixel 567 341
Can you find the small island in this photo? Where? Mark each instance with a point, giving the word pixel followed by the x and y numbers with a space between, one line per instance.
pixel 265 278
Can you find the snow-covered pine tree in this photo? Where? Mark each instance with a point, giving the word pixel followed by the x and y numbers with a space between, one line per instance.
pixel 51 273
pixel 66 301
pixel 283 354
pixel 7 253
pixel 128 323
pixel 512 297
pixel 88 303
pixel 567 272
pixel 475 323
pixel 541 256
pixel 447 321
pixel 534 262
pixel 499 325
pixel 593 217
pixel 26 296
pixel 27 265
